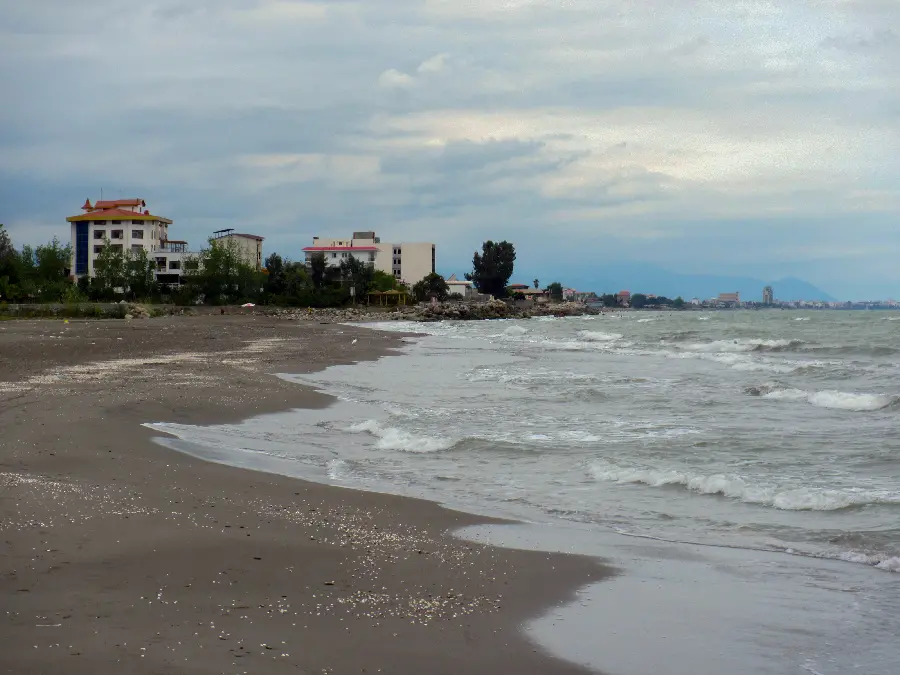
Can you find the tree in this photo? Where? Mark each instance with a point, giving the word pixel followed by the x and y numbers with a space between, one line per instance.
pixel 318 267
pixel 678 303
pixel 140 280
pixel 53 261
pixel 275 280
pixel 432 286
pixel 638 301
pixel 609 300
pixel 357 275
pixel 537 283
pixel 221 275
pixel 10 263
pixel 382 281
pixel 555 290
pixel 493 267
pixel 109 271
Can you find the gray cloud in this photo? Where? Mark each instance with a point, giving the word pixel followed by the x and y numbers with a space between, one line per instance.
pixel 705 136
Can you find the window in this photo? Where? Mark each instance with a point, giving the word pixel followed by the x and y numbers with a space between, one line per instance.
pixel 344 254
pixel 116 234
pixel 99 234
pixel 191 265
pixel 161 263
pixel 371 257
pixel 117 222
pixel 99 222
pixel 334 255
pixel 137 234
pixel 174 264
pixel 137 222
pixel 117 247
pixel 98 249
pixel 136 248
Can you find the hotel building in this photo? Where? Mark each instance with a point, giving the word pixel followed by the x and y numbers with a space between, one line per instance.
pixel 407 262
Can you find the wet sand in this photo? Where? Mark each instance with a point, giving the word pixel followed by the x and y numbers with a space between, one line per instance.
pixel 119 555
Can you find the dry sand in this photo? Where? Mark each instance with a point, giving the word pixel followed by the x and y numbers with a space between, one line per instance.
pixel 121 556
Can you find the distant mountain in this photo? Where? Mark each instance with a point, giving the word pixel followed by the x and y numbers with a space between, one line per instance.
pixel 644 278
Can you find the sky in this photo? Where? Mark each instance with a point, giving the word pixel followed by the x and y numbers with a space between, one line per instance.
pixel 703 136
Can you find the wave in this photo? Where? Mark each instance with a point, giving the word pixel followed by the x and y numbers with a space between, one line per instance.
pixel 739 345
pixel 392 438
pixel 735 487
pixel 598 336
pixel 876 560
pixel 830 398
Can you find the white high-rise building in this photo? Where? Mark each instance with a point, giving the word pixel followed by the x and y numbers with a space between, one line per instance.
pixel 407 262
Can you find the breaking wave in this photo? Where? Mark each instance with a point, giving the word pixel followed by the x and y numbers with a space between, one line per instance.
pixel 738 345
pixel 598 336
pixel 392 438
pixel 830 398
pixel 735 487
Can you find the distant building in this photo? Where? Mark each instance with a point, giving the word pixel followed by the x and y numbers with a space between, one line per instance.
pixel 461 286
pixel 696 301
pixel 249 246
pixel 130 227
pixel 729 298
pixel 407 262
pixel 126 223
pixel 624 298
pixel 768 296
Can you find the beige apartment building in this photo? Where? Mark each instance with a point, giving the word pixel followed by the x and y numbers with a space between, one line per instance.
pixel 249 246
pixel 407 262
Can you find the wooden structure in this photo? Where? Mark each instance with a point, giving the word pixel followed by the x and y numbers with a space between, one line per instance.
pixel 386 298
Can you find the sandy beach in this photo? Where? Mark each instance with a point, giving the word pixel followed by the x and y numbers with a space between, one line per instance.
pixel 120 555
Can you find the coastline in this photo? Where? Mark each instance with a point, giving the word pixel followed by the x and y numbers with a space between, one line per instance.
pixel 124 554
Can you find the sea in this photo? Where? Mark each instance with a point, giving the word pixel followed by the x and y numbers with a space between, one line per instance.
pixel 741 470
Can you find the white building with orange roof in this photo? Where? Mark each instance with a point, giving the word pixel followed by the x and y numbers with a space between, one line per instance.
pixel 126 223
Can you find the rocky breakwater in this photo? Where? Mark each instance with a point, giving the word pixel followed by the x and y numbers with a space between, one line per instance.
pixel 442 311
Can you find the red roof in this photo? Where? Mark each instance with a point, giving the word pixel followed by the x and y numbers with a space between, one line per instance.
pixel 341 248
pixel 114 203
pixel 115 214
pixel 87 205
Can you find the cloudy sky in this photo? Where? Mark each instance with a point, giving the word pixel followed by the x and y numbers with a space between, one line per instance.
pixel 709 136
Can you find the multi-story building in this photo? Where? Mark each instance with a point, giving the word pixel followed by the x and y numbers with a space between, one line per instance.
pixel 408 262
pixel 126 223
pixel 129 226
pixel 249 246
pixel 729 298
pixel 768 296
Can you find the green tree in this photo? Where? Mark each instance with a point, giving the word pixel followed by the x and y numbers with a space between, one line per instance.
pixel 555 290
pixel 296 281
pixel 493 267
pixel 382 281
pixel 318 269
pixel 678 303
pixel 638 301
pixel 10 263
pixel 357 275
pixel 140 279
pixel 275 279
pixel 109 271
pixel 432 286
pixel 609 300
pixel 53 261
pixel 220 274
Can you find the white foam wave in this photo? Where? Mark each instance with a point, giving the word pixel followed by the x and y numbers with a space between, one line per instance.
pixel 737 345
pixel 392 438
pixel 735 487
pixel 515 330
pixel 878 560
pixel 598 336
pixel 833 399
pixel 802 318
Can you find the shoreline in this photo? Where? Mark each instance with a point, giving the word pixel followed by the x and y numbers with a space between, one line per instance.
pixel 142 545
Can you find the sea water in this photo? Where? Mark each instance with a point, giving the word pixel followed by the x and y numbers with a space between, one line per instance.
pixel 753 453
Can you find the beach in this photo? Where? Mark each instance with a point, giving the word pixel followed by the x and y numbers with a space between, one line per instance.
pixel 121 555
